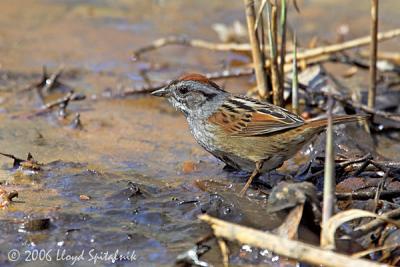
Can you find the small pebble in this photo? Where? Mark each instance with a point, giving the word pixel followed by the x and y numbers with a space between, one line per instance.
pixel 84 197
pixel 188 167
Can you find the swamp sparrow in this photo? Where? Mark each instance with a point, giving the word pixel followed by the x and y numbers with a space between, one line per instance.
pixel 245 133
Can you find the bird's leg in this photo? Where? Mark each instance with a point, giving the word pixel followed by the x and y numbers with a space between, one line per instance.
pixel 254 174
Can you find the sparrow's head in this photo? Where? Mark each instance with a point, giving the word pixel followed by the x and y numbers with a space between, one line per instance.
pixel 193 94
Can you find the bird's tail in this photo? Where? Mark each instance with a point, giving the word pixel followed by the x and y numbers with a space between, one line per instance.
pixel 349 118
pixel 338 119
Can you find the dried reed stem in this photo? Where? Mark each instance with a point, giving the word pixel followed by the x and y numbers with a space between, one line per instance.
pixel 258 58
pixel 283 44
pixel 314 52
pixel 282 246
pixel 373 53
pixel 176 40
pixel 383 55
pixel 295 79
pixel 272 34
pixel 329 170
pixel 259 13
pixel 323 50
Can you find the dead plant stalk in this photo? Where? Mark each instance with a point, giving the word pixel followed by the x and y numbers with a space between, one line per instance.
pixel 258 59
pixel 295 79
pixel 283 45
pixel 363 41
pixel 176 40
pixel 282 246
pixel 373 54
pixel 272 34
pixel 329 173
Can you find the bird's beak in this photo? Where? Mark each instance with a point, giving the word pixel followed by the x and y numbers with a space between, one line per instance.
pixel 163 92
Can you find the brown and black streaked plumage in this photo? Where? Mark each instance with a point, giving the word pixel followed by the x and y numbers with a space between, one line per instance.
pixel 245 133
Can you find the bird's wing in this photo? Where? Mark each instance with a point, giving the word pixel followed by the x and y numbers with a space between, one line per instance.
pixel 241 116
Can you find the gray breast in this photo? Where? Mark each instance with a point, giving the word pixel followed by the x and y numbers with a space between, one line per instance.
pixel 203 134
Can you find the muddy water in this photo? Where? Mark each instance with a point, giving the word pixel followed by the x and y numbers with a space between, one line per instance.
pixel 125 144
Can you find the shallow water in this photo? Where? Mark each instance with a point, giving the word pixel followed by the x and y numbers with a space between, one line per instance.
pixel 125 143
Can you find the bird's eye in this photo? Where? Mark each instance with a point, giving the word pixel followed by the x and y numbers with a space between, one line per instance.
pixel 183 90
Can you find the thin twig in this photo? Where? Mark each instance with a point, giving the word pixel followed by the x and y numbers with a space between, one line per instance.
pixel 17 161
pixel 386 164
pixel 379 190
pixel 374 224
pixel 357 105
pixel 373 53
pixel 258 59
pixel 365 161
pixel 76 122
pixel 64 99
pixel 341 165
pixel 373 250
pixel 282 246
pixel 296 6
pixel 322 53
pixel 224 251
pixel 360 169
pixel 204 239
pixel 232 73
pixel 349 162
pixel 61 102
pixel 180 40
pixel 383 55
pixel 389 194
pixel 38 84
pixel 310 53
pixel 52 80
pixel 225 74
pixel 246 47
pixel 363 41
